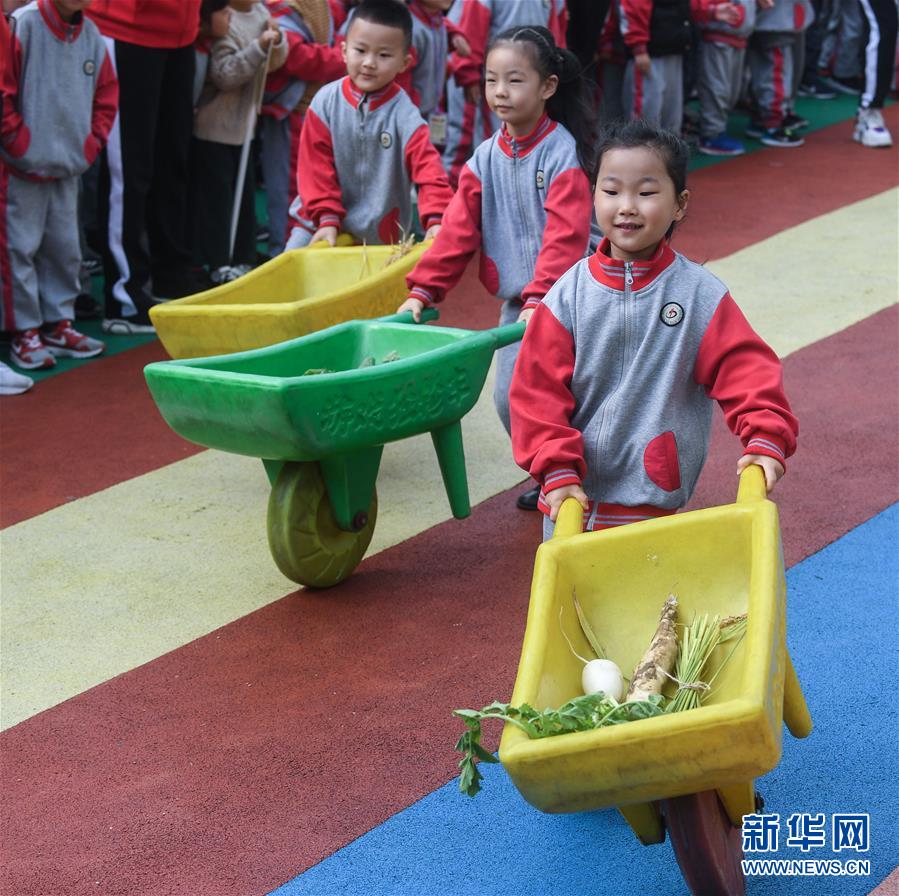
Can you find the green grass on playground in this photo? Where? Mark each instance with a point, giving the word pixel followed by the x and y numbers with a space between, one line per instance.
pixel 820 114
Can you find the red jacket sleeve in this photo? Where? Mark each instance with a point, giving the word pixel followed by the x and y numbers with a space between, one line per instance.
pixel 106 104
pixel 744 375
pixel 634 18
pixel 565 235
pixel 14 133
pixel 541 404
pixel 475 24
pixel 442 266
pixel 317 181
pixel 427 173
pixel 311 62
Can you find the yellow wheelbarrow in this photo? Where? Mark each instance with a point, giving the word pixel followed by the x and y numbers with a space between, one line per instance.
pixel 689 773
pixel 296 293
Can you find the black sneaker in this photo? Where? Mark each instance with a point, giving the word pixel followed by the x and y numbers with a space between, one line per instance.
pixel 528 500
pixel 816 89
pixel 755 129
pixel 781 137
pixel 852 86
pixel 87 307
pixel 132 325
pixel 793 122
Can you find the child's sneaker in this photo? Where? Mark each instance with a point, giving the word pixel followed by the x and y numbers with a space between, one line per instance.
pixel 781 137
pixel 225 274
pixel 64 341
pixel 12 383
pixel 755 129
pixel 870 130
pixel 793 122
pixel 29 352
pixel 722 145
pixel 816 88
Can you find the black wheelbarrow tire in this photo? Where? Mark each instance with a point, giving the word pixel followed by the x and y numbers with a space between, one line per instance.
pixel 306 543
pixel 708 847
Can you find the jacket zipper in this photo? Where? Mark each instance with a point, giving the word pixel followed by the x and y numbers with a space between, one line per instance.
pixel 611 402
pixel 521 210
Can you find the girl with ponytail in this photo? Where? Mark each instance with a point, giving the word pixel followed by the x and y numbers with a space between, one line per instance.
pixel 524 196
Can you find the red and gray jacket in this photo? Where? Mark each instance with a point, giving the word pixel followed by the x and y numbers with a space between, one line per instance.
pixel 786 15
pixel 722 33
pixel 525 204
pixel 431 36
pixel 61 94
pixel 616 376
pixel 163 24
pixel 359 155
pixel 307 61
pixel 482 20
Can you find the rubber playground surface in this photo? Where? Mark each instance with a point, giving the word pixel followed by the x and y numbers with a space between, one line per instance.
pixel 179 719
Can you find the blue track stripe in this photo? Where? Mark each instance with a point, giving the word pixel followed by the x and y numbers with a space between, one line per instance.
pixel 842 628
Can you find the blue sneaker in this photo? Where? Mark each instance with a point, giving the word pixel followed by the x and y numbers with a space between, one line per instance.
pixel 722 145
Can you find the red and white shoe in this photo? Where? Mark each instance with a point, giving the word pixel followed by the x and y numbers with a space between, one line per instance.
pixel 29 352
pixel 64 341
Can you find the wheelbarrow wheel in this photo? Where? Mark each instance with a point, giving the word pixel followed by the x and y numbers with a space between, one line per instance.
pixel 306 543
pixel 707 846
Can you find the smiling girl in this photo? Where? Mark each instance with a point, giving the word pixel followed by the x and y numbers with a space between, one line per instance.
pixel 524 196
pixel 611 399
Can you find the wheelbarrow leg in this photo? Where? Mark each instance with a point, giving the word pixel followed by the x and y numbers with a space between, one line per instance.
pixel 738 800
pixel 451 455
pixel 350 479
pixel 796 713
pixel 645 822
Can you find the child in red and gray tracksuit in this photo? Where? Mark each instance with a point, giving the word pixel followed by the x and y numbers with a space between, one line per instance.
pixel 523 201
pixel 612 395
pixel 432 37
pixel 59 103
pixel 470 120
pixel 364 144
pixel 309 27
pixel 776 59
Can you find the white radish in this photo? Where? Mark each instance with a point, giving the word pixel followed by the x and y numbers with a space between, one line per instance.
pixel 605 676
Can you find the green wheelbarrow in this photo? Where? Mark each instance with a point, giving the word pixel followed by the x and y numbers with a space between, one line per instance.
pixel 318 411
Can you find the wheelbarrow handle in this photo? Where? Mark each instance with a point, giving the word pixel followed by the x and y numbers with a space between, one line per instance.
pixel 508 334
pixel 570 520
pixel 406 317
pixel 752 485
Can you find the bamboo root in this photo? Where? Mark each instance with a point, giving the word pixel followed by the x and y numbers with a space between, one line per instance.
pixel 657 663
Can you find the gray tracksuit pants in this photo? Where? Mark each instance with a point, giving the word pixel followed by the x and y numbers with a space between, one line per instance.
pixel 43 252
pixel 772 58
pixel 277 174
pixel 719 83
pixel 658 97
pixel 505 363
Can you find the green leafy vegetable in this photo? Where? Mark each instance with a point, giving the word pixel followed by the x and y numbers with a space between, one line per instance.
pixel 585 713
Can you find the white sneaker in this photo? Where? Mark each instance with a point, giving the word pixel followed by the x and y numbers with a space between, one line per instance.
pixel 870 130
pixel 12 383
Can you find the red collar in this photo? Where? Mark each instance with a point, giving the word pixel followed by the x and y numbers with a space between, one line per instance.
pixel 376 98
pixel 611 271
pixel 523 145
pixel 67 32
pixel 433 19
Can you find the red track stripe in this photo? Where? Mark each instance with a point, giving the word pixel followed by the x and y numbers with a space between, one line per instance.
pixel 176 772
pixel 76 434
pixel 100 425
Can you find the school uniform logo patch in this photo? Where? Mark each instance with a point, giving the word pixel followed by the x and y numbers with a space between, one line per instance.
pixel 541 180
pixel 89 67
pixel 671 314
pixel 386 140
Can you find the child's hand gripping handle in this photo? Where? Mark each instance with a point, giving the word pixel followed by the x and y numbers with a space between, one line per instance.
pixel 752 484
pixel 405 317
pixel 570 520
